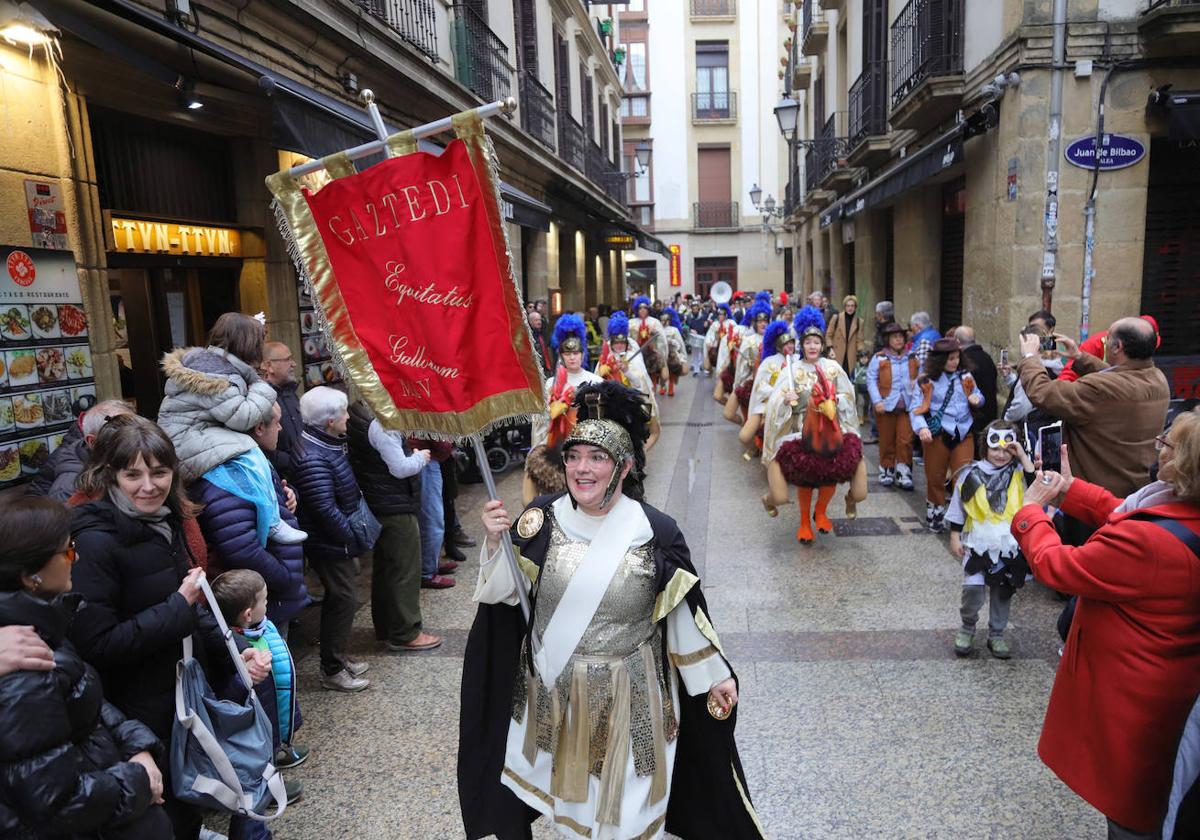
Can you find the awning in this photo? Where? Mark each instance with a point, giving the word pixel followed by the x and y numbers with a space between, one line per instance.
pixel 643 238
pixel 303 120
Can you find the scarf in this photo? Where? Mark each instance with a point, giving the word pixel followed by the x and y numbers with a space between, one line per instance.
pixel 156 522
pixel 1152 495
pixel 254 631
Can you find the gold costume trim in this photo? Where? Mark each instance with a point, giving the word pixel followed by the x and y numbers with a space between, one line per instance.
pixel 682 660
pixel 583 830
pixel 707 629
pixel 746 802
pixel 676 589
pixel 540 794
pixel 338 165
pixel 401 144
pixel 530 568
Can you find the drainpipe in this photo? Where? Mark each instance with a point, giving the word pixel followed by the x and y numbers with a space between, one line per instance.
pixel 1054 153
pixel 1089 217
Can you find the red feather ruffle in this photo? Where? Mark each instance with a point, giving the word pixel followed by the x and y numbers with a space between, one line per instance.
pixel 712 356
pixel 743 395
pixel 727 379
pixel 674 367
pixel 804 468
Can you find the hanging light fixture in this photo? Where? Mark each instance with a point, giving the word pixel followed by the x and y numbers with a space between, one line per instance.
pixel 642 152
pixel 187 94
pixel 787 112
pixel 755 195
pixel 23 25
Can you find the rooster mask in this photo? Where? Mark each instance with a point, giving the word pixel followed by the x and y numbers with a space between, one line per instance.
pixel 821 431
pixel 562 409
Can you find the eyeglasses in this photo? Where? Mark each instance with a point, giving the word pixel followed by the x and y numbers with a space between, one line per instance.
pixel 284 359
pixel 571 458
pixel 1161 443
pixel 68 553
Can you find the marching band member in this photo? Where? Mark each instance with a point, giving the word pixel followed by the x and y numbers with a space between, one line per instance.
pixel 543 473
pixel 677 354
pixel 810 433
pixel 647 331
pixel 623 363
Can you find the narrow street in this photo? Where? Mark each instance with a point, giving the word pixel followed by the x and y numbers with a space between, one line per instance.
pixel 856 720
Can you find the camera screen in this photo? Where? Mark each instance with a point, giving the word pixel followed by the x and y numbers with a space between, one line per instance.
pixel 1051 447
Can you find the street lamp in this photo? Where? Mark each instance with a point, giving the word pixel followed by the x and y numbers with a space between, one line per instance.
pixel 755 195
pixel 786 113
pixel 23 25
pixel 642 152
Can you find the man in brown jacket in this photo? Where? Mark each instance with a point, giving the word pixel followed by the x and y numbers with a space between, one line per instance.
pixel 1111 414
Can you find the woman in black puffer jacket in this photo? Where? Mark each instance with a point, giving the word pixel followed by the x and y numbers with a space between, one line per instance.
pixel 140 586
pixel 70 763
pixel 329 498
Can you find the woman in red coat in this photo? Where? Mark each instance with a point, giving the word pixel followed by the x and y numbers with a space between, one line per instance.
pixel 1130 670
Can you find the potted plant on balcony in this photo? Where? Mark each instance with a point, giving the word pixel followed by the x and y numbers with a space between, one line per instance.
pixel 619 55
pixel 606 27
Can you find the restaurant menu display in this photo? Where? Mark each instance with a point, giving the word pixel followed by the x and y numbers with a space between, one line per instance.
pixel 46 376
pixel 317 366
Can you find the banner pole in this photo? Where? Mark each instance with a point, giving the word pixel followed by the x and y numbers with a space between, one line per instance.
pixel 506 540
pixel 500 106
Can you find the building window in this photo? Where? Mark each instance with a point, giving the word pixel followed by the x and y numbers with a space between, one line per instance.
pixel 712 79
pixel 711 270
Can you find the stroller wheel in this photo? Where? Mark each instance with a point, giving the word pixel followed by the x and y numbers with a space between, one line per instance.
pixel 498 459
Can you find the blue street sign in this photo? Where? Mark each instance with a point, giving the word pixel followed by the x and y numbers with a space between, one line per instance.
pixel 1116 151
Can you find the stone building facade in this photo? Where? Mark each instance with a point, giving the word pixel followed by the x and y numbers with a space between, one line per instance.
pixel 932 164
pixel 153 123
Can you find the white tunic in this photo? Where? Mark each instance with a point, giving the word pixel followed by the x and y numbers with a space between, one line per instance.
pixel 540 428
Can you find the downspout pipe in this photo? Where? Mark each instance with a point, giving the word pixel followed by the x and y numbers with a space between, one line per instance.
pixel 1054 153
pixel 1089 216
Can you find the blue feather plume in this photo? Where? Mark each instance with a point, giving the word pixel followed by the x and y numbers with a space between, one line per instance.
pixel 725 306
pixel 808 316
pixel 569 324
pixel 774 330
pixel 754 311
pixel 674 316
pixel 640 300
pixel 618 324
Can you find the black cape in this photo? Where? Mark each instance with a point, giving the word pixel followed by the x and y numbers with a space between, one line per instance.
pixel 707 799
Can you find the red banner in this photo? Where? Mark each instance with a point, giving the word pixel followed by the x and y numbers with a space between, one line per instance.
pixel 410 269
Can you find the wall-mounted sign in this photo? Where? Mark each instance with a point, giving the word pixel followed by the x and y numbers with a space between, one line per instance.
pixel 137 236
pixel 625 241
pixel 676 272
pixel 1116 151
pixel 47 220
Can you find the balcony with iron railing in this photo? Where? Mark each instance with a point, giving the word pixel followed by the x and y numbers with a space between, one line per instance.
pixel 480 56
pixel 714 8
pixel 413 20
pixel 572 141
pixel 635 108
pixel 833 148
pixel 814 29
pixel 537 109
pixel 603 173
pixel 1170 27
pixel 868 109
pixel 927 62
pixel 714 106
pixel 715 215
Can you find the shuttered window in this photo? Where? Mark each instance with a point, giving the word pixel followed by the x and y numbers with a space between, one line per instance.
pixel 713 175
pixel 1171 264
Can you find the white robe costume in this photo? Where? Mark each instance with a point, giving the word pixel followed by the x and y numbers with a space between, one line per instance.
pixel 782 423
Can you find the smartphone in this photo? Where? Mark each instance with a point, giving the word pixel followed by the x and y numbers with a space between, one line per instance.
pixel 1048 343
pixel 1004 356
pixel 1050 446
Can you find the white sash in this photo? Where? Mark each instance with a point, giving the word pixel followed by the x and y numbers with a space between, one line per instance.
pixel 609 538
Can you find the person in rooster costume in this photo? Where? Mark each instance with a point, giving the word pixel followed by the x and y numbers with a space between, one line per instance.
pixel 748 356
pixel 778 346
pixel 727 349
pixel 712 339
pixel 647 331
pixel 810 434
pixel 543 466
pixel 677 354
pixel 621 361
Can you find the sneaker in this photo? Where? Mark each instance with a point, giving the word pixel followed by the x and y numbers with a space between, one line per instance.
pixel 446 567
pixel 999 648
pixel 917 459
pixel 285 534
pixel 437 582
pixel 937 519
pixel 886 477
pixel 356 667
pixel 963 642
pixel 463 539
pixel 287 756
pixel 294 788
pixel 904 477
pixel 343 680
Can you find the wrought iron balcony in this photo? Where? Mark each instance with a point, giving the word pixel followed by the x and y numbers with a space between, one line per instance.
pixel 832 146
pixel 868 105
pixel 537 109
pixel 1158 4
pixel 715 215
pixel 412 20
pixel 601 172
pixel 814 30
pixel 714 106
pixel 927 41
pixel 572 142
pixel 480 56
pixel 714 8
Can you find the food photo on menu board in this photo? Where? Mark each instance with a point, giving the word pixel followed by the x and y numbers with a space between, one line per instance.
pixel 7 423
pixel 22 367
pixel 43 318
pixel 14 322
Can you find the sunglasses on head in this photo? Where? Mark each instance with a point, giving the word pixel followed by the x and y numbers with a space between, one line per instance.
pixel 1001 438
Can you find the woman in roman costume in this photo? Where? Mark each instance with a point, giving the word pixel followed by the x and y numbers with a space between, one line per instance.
pixel 647 331
pixel 677 354
pixel 712 339
pixel 543 473
pixel 810 434
pixel 748 356
pixel 727 348
pixel 621 362
pixel 611 712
